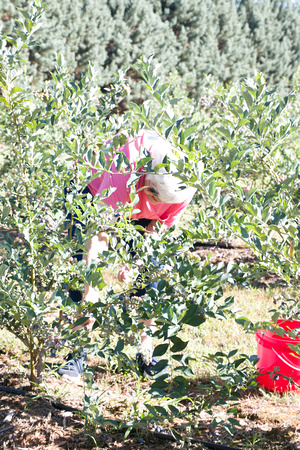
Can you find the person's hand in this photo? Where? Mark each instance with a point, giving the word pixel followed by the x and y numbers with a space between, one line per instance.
pixel 124 275
pixel 88 323
pixel 150 228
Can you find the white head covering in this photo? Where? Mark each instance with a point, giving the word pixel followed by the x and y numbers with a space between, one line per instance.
pixel 168 188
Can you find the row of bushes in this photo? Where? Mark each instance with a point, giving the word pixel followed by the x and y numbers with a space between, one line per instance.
pixel 250 186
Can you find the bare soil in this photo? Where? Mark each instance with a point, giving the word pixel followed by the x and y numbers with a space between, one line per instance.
pixel 221 252
pixel 267 421
pixel 239 253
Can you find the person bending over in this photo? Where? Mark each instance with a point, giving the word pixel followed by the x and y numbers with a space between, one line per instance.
pixel 161 198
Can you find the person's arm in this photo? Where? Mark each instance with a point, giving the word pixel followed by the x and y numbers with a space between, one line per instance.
pixel 99 243
pixel 95 246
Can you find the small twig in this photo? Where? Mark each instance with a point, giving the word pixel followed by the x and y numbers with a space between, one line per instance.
pixel 5 429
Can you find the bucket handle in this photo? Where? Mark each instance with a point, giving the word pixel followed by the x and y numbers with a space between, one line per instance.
pixel 285 361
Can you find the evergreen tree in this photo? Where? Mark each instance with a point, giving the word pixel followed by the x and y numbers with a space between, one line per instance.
pixel 211 38
pixel 275 33
pixel 225 38
pixel 237 55
pixel 146 33
pixel 192 22
pixel 111 33
pixel 59 34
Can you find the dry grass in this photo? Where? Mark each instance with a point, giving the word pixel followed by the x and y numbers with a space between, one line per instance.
pixel 215 335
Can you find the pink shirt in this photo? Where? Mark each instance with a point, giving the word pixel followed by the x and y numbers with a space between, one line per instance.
pixel 165 213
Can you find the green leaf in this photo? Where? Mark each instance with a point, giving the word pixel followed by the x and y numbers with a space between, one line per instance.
pixel 3 100
pixel 161 410
pixel 232 353
pixel 80 321
pixel 190 130
pixel 234 422
pixel 248 98
pixel 24 13
pixel 192 317
pixel 16 89
pixel 179 344
pixel 176 435
pixel 185 370
pixel 28 24
pixel 135 106
pixel 174 410
pixel 160 350
pixel 158 98
pixel 59 60
pixel 142 162
pixel 5 212
pixel 217 175
pixel 102 159
pixel 173 101
pixel 168 130
pixel 164 87
pixel 127 432
pixel 194 321
pixel 160 384
pixel 225 132
pixel 3 268
pixel 151 409
pixel 120 346
pixel 179 122
pixel 12 41
pixel 112 423
pixel 238 362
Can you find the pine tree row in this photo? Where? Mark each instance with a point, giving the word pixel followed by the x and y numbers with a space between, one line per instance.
pixel 225 38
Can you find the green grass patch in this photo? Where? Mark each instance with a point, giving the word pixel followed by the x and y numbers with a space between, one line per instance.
pixel 226 335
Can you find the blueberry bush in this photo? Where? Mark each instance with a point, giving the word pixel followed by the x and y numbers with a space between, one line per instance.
pixel 243 160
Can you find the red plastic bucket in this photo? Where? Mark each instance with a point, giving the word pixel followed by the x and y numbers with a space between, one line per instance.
pixel 274 353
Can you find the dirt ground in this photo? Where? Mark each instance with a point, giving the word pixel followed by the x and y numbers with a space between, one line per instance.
pixel 36 422
pixel 234 251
